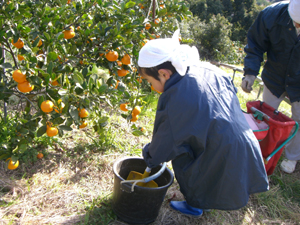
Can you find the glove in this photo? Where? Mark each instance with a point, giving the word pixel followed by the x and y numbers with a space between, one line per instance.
pixel 247 83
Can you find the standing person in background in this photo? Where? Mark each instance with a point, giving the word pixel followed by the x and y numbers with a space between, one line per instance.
pixel 276 31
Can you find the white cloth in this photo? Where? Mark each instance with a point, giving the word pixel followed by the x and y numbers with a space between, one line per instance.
pixel 158 51
pixel 294 10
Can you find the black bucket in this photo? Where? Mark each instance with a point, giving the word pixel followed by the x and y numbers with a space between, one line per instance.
pixel 143 204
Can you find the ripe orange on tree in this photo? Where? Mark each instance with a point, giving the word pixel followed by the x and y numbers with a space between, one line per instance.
pixel 122 72
pixel 25 87
pixel 11 165
pixel 123 107
pixel 60 107
pixel 54 83
pixel 112 56
pixel 18 76
pixel 147 26
pixel 47 106
pixel 83 113
pixel 119 63
pixel 20 57
pixel 126 60
pixel 40 155
pixel 144 41
pixel 68 34
pixel 136 111
pixel 117 84
pixel 134 118
pixel 157 21
pixel 19 44
pixel 141 6
pixel 83 124
pixel 51 131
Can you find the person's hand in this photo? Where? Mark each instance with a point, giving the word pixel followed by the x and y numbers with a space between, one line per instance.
pixel 247 83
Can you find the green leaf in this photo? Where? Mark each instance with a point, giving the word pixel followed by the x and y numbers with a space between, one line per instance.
pixel 129 4
pixel 52 56
pixel 78 78
pixel 6 66
pixel 64 127
pixel 137 133
pixel 41 131
pixel 35 43
pixel 50 68
pixel 74 113
pixel 47 36
pixel 58 120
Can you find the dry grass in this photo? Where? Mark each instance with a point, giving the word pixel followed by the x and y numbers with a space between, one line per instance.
pixel 75 185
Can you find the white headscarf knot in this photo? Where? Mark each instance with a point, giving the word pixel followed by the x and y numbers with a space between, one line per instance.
pixel 158 51
pixel 294 10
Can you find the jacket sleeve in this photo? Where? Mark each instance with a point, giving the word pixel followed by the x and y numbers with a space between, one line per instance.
pixel 162 147
pixel 257 45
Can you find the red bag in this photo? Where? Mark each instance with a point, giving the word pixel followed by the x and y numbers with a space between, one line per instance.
pixel 280 127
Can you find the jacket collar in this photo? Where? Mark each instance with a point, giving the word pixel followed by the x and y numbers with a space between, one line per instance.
pixel 285 20
pixel 175 77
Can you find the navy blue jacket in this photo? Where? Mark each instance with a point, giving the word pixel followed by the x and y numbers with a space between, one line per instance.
pixel 273 32
pixel 200 126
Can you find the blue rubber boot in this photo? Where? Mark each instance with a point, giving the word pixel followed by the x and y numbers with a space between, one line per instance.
pixel 186 209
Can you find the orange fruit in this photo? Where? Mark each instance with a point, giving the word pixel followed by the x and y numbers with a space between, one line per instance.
pixel 51 131
pixel 123 107
pixel 83 124
pixel 60 107
pixel 83 113
pixel 126 59
pixel 112 56
pixel 25 87
pixel 69 1
pixel 40 43
pixel 141 6
pixel 18 76
pixel 68 34
pixel 134 118
pixel 140 80
pixel 136 111
pixel 122 72
pixel 144 41
pixel 54 83
pixel 20 57
pixel 157 21
pixel 147 26
pixel 11 165
pixel 47 106
pixel 142 129
pixel 162 6
pixel 101 54
pixel 40 155
pixel 19 44
pixel 119 63
pixel 117 84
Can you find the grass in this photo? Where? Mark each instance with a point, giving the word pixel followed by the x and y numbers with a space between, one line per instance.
pixel 73 183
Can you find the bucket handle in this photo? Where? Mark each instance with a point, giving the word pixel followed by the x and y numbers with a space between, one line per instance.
pixel 147 179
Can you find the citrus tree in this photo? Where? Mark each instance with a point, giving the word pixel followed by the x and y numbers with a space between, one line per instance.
pixel 52 56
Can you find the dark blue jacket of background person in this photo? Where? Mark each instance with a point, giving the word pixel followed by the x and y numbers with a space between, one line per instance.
pixel 273 32
pixel 200 126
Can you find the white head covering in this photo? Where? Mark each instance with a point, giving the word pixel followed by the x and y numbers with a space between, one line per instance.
pixel 294 10
pixel 158 51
